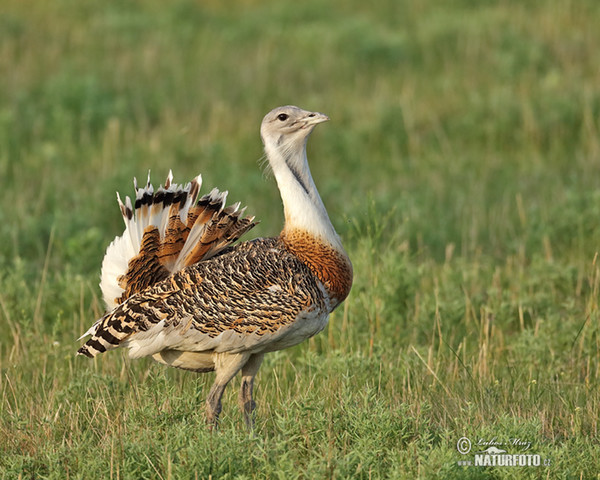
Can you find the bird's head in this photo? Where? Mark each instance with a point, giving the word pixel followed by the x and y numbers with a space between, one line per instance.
pixel 286 128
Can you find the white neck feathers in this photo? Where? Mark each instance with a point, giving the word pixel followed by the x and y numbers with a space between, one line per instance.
pixel 303 208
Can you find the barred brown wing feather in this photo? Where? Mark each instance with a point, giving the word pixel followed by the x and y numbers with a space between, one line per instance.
pixel 244 298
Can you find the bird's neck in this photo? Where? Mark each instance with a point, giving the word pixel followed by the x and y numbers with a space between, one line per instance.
pixel 308 233
pixel 303 208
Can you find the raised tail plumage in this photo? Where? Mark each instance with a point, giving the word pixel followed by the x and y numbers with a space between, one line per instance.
pixel 165 231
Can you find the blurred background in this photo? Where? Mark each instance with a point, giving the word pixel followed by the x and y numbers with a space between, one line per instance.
pixel 473 121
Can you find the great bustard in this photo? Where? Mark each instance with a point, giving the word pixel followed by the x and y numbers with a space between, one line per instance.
pixel 177 289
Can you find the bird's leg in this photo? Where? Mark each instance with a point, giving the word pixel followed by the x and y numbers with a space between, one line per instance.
pixel 213 405
pixel 226 366
pixel 247 403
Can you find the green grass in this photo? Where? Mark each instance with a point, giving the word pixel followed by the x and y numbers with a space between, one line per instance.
pixel 461 168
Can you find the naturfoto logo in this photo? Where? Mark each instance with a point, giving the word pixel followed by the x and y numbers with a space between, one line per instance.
pixel 498 453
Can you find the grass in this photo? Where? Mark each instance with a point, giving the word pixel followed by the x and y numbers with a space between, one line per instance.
pixel 461 168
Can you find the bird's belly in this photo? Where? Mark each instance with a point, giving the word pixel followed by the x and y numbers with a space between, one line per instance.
pixel 304 327
pixel 296 333
pixel 195 361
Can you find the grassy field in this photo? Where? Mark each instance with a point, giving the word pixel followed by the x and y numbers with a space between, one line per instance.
pixel 461 168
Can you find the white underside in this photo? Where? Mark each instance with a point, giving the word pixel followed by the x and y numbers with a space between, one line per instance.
pixel 171 341
pixel 196 361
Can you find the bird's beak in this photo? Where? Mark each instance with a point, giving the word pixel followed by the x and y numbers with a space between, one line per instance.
pixel 314 118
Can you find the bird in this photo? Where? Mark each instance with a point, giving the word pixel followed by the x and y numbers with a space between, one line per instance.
pixel 179 289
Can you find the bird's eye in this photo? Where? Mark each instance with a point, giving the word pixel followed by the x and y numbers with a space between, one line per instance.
pixel 283 117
